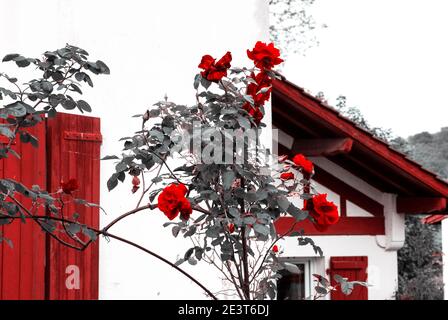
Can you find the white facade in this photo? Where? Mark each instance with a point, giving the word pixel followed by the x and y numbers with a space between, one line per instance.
pixel 153 48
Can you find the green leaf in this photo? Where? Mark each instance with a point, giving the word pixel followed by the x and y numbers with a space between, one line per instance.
pixel 227 179
pixel 84 106
pixel 260 228
pixel 338 278
pixel 22 62
pixel 264 90
pixel 244 122
pixel 249 220
pixel 121 166
pixel 26 137
pixel 197 81
pixel 104 69
pixel 46 86
pixel 110 158
pixel 10 57
pixel 112 182
pixel 298 214
pixel 320 290
pixel 16 109
pixel 74 87
pixel 89 233
pixel 283 203
pixel 191 231
pixel 198 252
pixel 48 225
pixel 188 253
pixel 175 231
pixel 11 208
pixel 74 228
pixel 234 212
pixel 6 132
pixel 249 99
pixel 68 104
pixel 213 231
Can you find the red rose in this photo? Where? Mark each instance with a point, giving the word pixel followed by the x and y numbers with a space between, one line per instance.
pixel 306 165
pixel 231 227
pixel 264 56
pixel 255 112
pixel 214 71
pixel 287 176
pixel 172 201
pixel 263 81
pixel 69 186
pixel 324 212
pixel 275 248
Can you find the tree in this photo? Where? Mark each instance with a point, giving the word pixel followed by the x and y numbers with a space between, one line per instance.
pixel 292 28
pixel 420 263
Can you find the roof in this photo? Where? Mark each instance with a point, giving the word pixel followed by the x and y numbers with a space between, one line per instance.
pixel 300 114
pixel 433 219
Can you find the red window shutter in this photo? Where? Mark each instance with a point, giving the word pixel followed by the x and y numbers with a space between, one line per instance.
pixel 353 268
pixel 74 152
pixel 22 267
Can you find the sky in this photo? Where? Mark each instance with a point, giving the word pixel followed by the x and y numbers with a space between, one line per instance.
pixel 388 57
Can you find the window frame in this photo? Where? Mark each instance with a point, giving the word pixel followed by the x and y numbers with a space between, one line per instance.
pixel 313 265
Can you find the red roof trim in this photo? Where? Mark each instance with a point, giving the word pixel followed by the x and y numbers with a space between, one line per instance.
pixel 435 218
pixel 300 98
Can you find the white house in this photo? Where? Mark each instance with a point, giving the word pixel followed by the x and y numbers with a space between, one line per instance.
pixel 153 49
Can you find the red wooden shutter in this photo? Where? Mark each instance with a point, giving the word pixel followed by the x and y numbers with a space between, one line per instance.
pixel 22 267
pixel 74 152
pixel 353 268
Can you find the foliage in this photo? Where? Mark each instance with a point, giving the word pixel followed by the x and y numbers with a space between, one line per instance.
pixel 420 262
pixel 61 74
pixel 292 28
pixel 431 150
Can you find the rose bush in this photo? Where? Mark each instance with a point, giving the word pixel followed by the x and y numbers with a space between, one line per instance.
pixel 226 194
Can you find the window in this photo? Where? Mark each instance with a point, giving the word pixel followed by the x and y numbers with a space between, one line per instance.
pixel 293 286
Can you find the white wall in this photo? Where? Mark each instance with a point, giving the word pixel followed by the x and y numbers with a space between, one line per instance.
pixel 152 48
